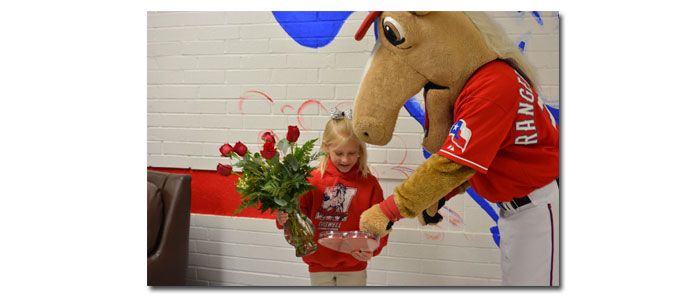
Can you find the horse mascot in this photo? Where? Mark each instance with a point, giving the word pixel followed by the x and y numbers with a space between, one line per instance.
pixel 485 125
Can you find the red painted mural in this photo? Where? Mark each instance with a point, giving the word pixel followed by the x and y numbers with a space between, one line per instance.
pixel 214 194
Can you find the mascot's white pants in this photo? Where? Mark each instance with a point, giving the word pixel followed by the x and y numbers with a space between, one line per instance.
pixel 530 240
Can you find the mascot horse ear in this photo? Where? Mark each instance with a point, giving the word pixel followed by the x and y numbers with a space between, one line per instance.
pixel 420 13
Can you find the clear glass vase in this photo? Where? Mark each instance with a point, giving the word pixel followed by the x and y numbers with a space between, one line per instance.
pixel 299 232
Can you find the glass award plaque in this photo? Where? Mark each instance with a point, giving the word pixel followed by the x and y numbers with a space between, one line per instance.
pixel 348 241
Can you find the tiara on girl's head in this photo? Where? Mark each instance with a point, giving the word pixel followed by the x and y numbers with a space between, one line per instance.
pixel 341 114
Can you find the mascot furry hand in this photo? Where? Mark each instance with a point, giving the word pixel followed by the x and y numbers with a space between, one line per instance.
pixel 438 52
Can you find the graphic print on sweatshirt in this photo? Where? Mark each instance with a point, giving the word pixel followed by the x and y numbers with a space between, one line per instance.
pixel 334 210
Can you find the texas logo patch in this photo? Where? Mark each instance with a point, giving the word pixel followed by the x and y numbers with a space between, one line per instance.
pixel 459 136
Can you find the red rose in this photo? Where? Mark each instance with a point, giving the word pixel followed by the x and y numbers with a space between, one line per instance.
pixel 268 150
pixel 269 137
pixel 224 170
pixel 292 134
pixel 226 149
pixel 240 149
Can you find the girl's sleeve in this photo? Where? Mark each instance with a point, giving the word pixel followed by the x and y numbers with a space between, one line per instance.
pixel 378 197
pixel 305 202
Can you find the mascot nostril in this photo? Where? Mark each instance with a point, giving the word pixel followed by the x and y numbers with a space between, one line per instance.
pixel 369 131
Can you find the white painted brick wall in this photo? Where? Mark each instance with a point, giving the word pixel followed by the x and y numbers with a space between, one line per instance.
pixel 200 66
pixel 235 251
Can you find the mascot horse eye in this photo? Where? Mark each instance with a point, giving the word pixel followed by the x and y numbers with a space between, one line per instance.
pixel 392 31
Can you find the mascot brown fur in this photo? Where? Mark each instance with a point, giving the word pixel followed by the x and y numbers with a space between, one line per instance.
pixel 439 52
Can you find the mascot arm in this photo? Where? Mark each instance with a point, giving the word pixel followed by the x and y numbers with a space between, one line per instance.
pixel 432 181
pixel 430 215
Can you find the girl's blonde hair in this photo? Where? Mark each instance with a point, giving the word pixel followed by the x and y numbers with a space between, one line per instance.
pixel 497 40
pixel 339 131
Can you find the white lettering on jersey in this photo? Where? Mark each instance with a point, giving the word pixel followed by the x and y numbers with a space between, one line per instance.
pixel 526 109
pixel 527 95
pixel 525 125
pixel 526 139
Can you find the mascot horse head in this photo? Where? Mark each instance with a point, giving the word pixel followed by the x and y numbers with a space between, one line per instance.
pixel 435 52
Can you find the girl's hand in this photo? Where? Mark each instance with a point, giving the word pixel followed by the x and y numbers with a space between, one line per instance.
pixel 282 217
pixel 361 255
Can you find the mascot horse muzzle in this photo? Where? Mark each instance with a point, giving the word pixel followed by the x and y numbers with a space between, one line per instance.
pixel 415 51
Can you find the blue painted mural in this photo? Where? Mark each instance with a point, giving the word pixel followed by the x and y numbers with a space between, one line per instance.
pixel 313 29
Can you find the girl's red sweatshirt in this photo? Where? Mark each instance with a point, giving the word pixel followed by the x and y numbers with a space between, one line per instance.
pixel 336 205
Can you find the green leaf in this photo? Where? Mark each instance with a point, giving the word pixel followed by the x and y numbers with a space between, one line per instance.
pixel 268 187
pixel 309 145
pixel 281 202
pixel 283 146
pixel 293 162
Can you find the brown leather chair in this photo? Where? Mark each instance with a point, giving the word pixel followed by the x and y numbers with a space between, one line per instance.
pixel 168 227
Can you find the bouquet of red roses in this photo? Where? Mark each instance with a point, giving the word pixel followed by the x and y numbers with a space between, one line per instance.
pixel 274 179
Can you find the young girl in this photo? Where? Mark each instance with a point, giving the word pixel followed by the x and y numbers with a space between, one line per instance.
pixel 344 189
